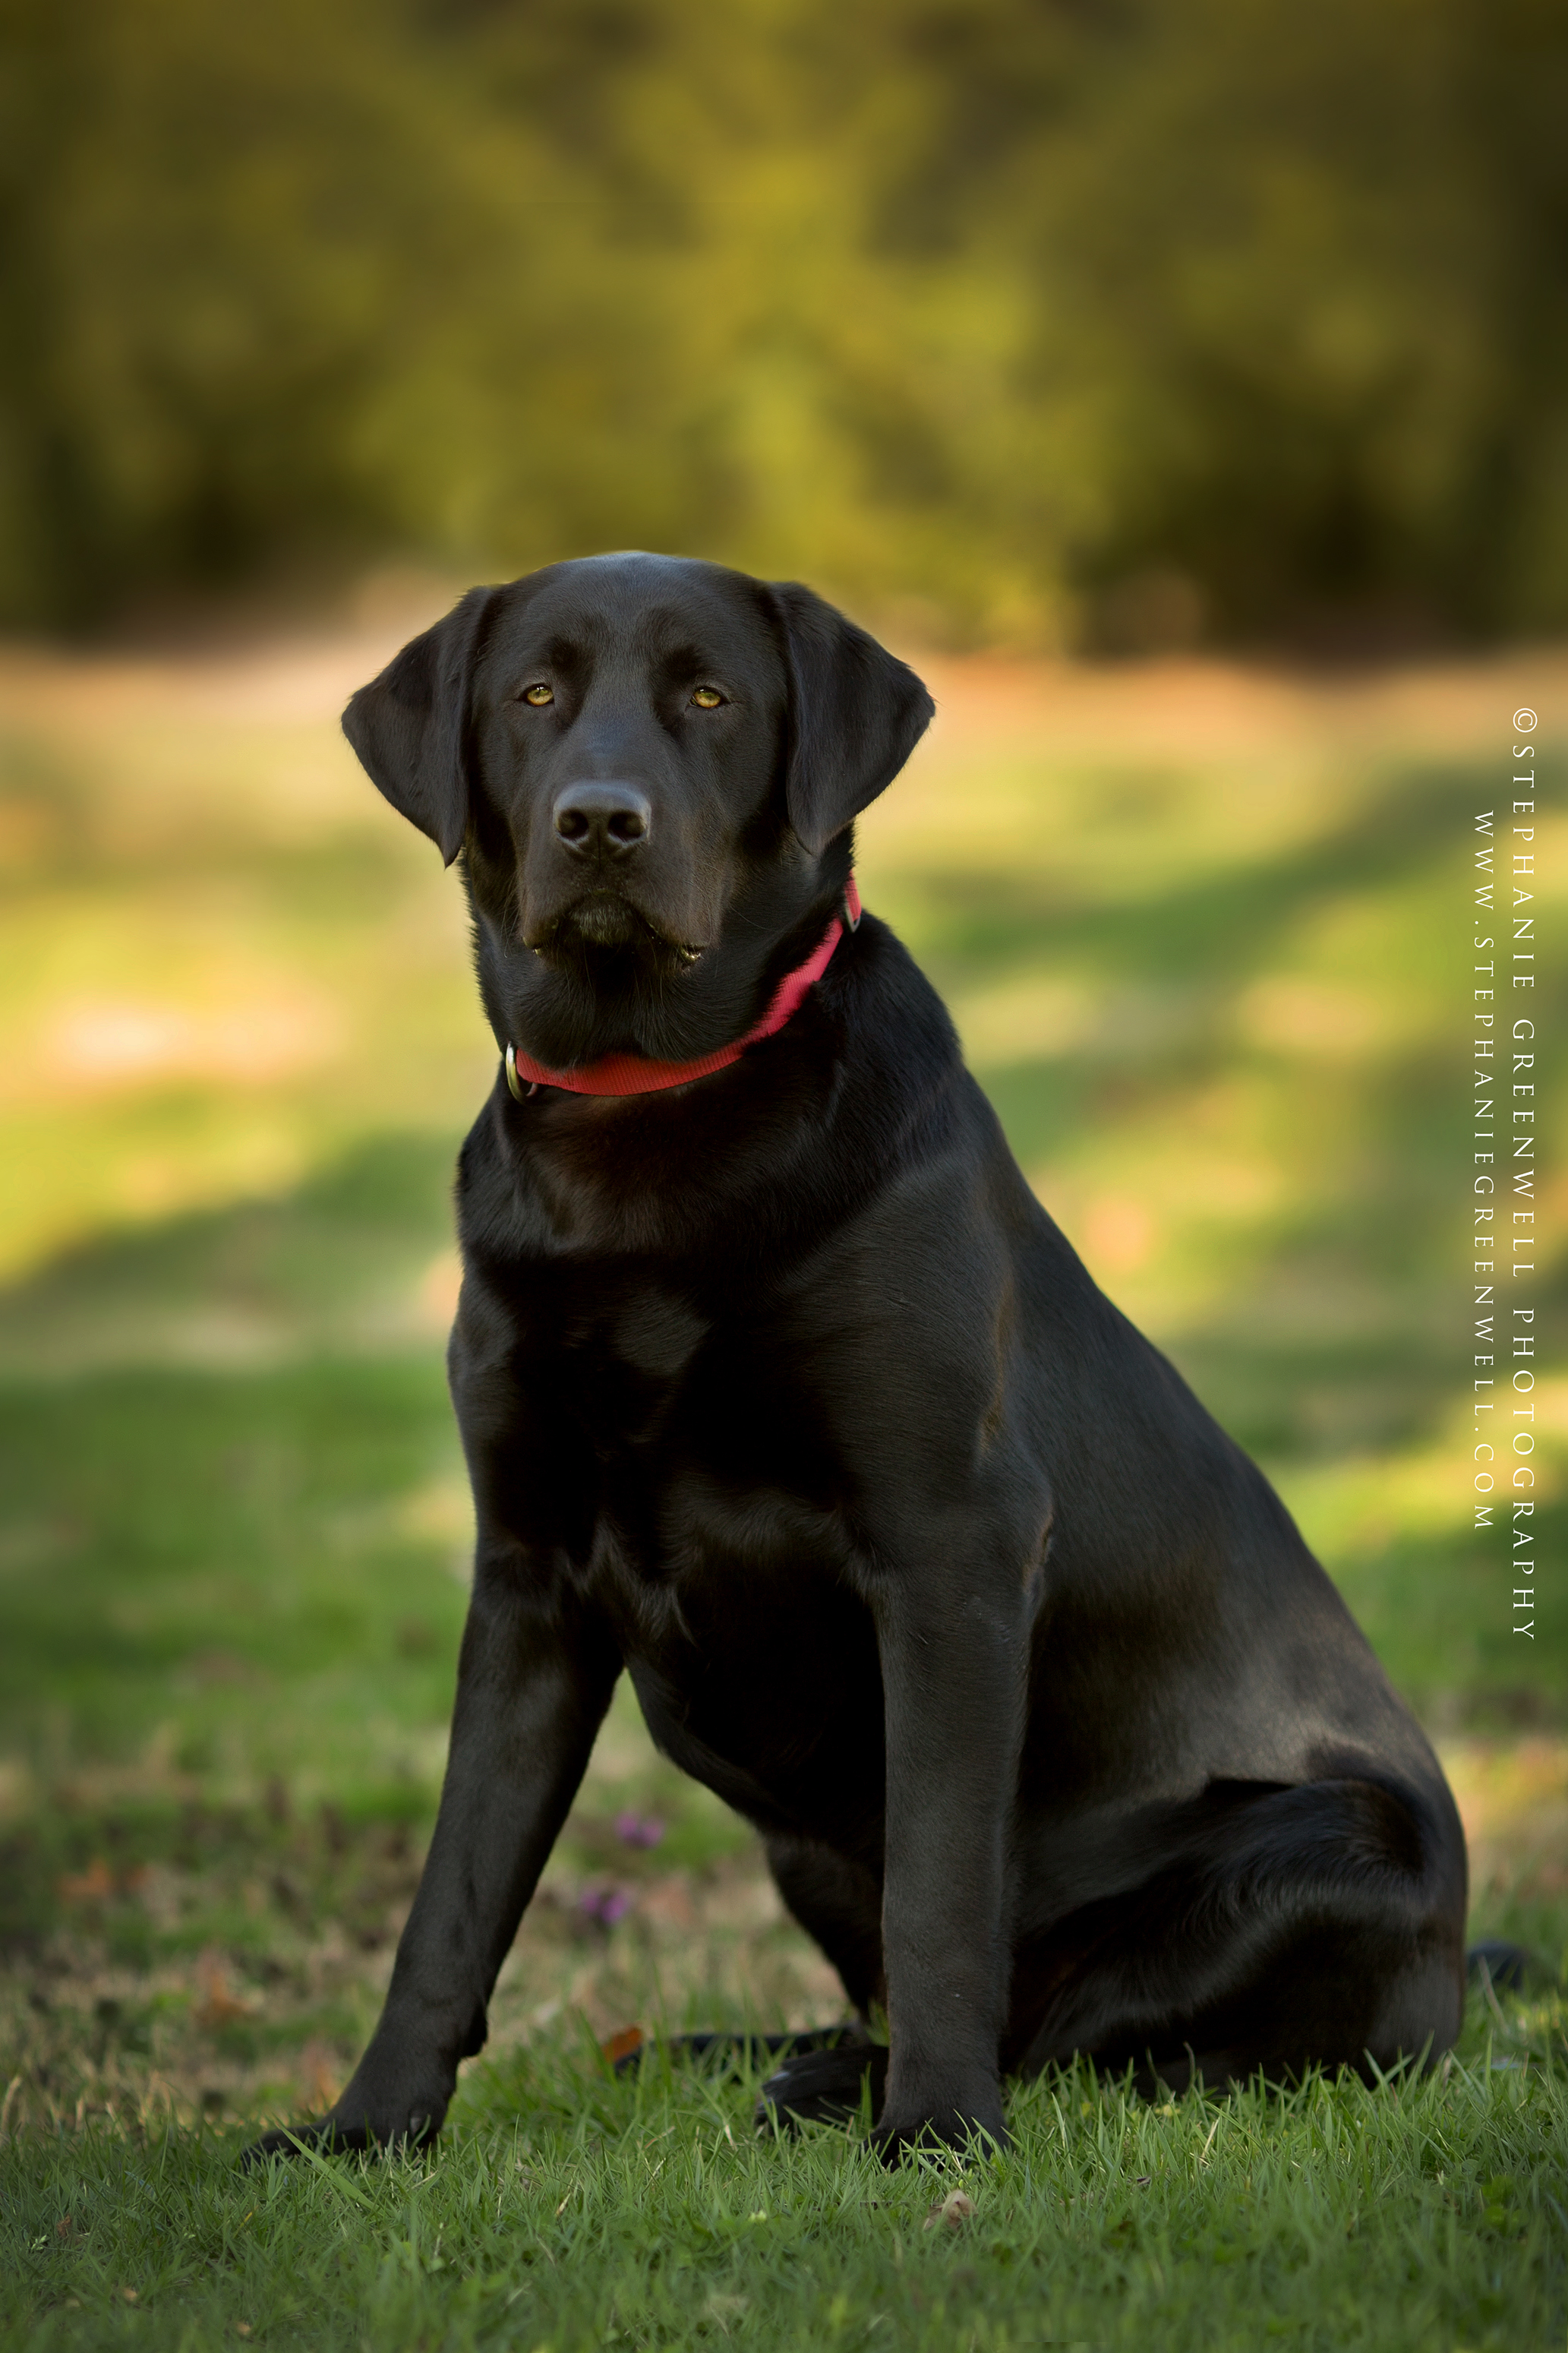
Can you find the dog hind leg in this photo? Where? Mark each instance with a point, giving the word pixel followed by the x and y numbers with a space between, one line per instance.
pixel 822 2086
pixel 839 1903
pixel 1320 1925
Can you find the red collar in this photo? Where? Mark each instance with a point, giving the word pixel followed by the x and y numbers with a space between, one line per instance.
pixel 629 1074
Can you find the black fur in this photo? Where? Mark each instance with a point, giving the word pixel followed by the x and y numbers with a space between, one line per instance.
pixel 783 1393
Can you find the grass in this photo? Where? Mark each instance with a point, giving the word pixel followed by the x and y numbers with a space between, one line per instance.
pixel 1206 936
pixel 569 2210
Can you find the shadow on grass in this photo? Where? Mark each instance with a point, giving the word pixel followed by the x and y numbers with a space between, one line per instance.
pixel 334 1267
pixel 1225 926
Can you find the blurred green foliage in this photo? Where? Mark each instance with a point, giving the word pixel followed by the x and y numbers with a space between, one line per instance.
pixel 1106 320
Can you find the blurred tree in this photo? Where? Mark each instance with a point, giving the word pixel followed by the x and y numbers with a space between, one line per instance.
pixel 1322 258
pixel 1047 317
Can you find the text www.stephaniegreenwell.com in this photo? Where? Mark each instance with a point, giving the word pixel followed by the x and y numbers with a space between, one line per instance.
pixel 1504 1148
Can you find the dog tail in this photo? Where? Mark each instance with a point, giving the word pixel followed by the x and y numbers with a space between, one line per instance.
pixel 742 2050
pixel 1507 1968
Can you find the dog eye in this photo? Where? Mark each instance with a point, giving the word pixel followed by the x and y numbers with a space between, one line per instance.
pixel 707 697
pixel 539 694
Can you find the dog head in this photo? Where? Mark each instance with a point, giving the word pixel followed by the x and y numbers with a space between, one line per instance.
pixel 651 767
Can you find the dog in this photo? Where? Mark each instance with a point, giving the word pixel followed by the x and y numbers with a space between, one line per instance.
pixel 780 1390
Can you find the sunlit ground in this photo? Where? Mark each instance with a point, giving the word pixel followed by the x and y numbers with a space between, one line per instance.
pixel 1206 932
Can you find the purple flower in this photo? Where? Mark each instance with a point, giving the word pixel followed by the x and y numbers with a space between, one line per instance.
pixel 639 1830
pixel 606 1903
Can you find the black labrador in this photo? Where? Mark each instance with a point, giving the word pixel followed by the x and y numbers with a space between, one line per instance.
pixel 780 1390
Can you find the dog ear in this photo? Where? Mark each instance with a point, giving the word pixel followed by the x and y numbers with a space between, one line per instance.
pixel 410 725
pixel 856 714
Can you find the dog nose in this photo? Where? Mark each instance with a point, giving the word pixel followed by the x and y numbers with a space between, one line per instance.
pixel 603 820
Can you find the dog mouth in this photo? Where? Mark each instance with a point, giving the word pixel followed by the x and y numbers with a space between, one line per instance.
pixel 604 921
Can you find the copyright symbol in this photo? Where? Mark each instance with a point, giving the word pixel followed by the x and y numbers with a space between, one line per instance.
pixel 1523 721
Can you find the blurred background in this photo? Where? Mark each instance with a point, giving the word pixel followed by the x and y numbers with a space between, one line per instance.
pixel 1096 323
pixel 1184 391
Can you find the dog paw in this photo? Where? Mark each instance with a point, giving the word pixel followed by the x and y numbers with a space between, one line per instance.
pixel 975 2130
pixel 821 2087
pixel 342 2136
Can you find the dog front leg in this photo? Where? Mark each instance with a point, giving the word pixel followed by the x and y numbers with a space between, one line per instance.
pixel 534 1679
pixel 954 1680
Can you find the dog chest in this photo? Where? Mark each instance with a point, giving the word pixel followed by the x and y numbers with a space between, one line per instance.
pixel 654 1443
